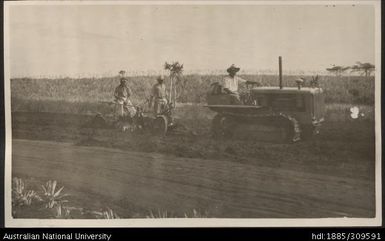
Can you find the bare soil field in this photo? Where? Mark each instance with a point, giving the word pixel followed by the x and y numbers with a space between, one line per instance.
pixel 135 173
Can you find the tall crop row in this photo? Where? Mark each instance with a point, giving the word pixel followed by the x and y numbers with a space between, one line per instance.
pixel 191 88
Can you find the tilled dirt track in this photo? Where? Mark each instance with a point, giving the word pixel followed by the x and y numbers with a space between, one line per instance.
pixel 221 188
pixel 330 177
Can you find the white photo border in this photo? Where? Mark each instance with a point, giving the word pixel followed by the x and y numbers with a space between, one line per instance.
pixel 194 222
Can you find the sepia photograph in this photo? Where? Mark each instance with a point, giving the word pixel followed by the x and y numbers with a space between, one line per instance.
pixel 192 114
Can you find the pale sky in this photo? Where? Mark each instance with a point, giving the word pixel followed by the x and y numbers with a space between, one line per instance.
pixel 65 40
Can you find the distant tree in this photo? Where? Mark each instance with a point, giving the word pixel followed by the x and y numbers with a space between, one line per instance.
pixel 365 68
pixel 337 70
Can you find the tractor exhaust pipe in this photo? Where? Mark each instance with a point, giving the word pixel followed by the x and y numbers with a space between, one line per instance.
pixel 280 71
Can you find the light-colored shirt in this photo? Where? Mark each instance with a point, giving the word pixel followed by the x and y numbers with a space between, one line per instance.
pixel 231 83
pixel 122 92
pixel 159 91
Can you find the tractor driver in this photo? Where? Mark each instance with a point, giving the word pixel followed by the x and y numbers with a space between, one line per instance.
pixel 122 94
pixel 230 84
pixel 158 96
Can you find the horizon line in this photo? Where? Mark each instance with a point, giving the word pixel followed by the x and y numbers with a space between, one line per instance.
pixel 138 73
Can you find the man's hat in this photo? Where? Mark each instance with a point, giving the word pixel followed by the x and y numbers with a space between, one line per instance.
pixel 233 69
pixel 160 78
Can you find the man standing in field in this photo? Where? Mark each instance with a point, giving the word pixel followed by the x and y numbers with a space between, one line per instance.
pixel 122 94
pixel 158 96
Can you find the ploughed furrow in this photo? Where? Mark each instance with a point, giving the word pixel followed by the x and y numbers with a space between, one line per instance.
pixel 221 188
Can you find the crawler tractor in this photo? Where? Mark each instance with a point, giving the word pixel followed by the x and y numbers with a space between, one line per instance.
pixel 267 113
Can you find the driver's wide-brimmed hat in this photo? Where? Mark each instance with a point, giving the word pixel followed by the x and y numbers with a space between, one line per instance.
pixel 233 69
